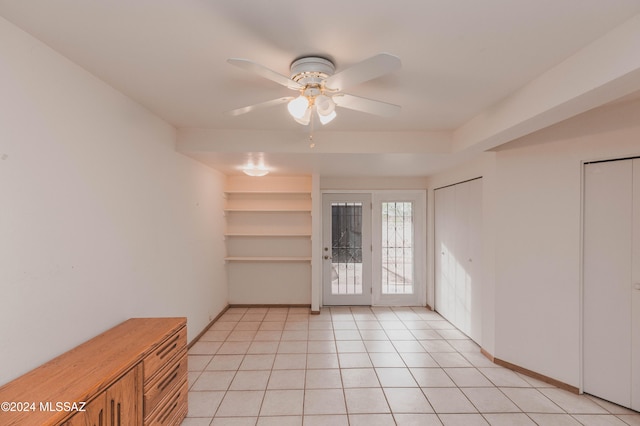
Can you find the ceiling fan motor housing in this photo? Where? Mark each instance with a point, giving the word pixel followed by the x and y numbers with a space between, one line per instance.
pixel 311 70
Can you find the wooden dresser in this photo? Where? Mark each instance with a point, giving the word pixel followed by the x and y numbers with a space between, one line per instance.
pixel 131 375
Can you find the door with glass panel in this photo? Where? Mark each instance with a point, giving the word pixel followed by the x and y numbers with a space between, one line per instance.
pixel 398 248
pixel 346 250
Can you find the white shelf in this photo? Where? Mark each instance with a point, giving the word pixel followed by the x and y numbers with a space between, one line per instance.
pixel 305 210
pixel 267 259
pixel 267 235
pixel 251 192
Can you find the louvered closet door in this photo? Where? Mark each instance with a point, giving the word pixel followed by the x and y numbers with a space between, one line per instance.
pixel 611 305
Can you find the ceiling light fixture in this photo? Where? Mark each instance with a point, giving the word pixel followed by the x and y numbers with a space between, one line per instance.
pixel 315 98
pixel 305 117
pixel 324 119
pixel 256 172
pixel 251 169
pixel 302 107
pixel 298 107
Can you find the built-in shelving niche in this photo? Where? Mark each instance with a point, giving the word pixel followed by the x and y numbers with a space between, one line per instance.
pixel 268 239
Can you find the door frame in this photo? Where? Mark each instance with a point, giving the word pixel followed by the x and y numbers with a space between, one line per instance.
pixel 419 197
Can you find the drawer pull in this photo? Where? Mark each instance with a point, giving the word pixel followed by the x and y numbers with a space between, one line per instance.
pixel 166 382
pixel 168 412
pixel 168 348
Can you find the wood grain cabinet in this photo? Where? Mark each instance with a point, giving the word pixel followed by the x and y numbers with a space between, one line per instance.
pixel 132 375
pixel 95 414
pixel 117 406
pixel 165 382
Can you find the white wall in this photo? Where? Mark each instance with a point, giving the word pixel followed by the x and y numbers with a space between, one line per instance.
pixel 100 219
pixel 367 183
pixel 538 237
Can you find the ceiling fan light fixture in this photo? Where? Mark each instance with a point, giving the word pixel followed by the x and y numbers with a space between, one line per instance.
pixel 306 117
pixel 298 107
pixel 325 119
pixel 325 105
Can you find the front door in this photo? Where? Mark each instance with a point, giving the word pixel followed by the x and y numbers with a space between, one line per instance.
pixel 346 250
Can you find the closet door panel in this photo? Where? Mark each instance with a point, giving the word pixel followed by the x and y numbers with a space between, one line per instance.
pixel 458 225
pixel 635 298
pixel 462 303
pixel 607 275
pixel 442 199
pixel 474 259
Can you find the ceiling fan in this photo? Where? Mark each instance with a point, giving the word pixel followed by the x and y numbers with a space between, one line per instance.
pixel 321 89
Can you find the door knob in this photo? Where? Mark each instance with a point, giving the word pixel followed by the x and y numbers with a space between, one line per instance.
pixel 637 286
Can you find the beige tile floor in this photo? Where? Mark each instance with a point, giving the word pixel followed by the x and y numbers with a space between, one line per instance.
pixel 366 366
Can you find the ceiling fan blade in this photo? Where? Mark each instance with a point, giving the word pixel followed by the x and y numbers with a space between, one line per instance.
pixel 265 72
pixel 375 66
pixel 366 105
pixel 266 104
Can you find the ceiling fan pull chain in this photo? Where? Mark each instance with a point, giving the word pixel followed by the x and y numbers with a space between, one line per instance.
pixel 312 144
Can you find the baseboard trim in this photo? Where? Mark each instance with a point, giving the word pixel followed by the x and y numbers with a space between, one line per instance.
pixel 487 355
pixel 428 307
pixel 267 305
pixel 207 327
pixel 530 373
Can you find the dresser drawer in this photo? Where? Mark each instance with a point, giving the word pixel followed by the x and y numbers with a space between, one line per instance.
pixel 164 352
pixel 165 382
pixel 173 410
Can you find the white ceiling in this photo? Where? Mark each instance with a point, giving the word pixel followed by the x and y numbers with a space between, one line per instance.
pixel 464 64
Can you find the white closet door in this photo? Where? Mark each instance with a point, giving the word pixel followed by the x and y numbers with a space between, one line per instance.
pixel 635 298
pixel 607 280
pixel 474 259
pixel 462 317
pixel 444 260
pixel 458 225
